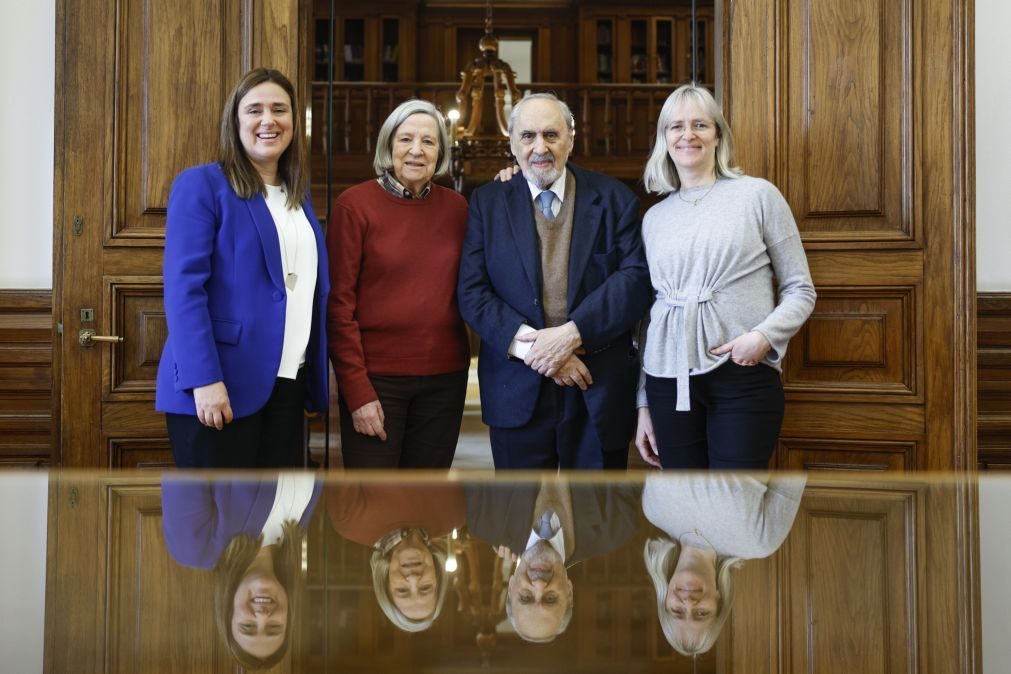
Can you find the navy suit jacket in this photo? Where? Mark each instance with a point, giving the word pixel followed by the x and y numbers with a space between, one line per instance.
pixel 609 290
pixel 605 516
pixel 225 298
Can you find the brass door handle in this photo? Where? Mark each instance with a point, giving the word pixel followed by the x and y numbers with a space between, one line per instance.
pixel 87 337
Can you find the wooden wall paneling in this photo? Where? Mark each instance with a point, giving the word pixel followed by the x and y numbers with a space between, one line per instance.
pixel 993 390
pixel 26 378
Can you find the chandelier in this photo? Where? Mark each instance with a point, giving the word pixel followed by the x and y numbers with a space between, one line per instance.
pixel 480 128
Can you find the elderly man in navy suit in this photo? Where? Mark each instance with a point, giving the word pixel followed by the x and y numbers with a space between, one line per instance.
pixel 553 279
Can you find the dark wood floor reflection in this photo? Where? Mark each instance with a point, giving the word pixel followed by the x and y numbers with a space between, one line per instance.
pixel 868 579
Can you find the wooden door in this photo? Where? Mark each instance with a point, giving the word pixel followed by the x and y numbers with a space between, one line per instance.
pixel 857 110
pixel 140 85
pixel 871 579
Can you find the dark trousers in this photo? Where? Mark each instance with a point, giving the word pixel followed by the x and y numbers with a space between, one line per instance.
pixel 422 423
pixel 559 435
pixel 273 437
pixel 734 421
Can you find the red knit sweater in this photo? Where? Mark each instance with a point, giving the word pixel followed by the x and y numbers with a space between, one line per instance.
pixel 393 266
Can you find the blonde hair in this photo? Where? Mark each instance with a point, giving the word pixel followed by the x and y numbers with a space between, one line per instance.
pixel 660 175
pixel 661 557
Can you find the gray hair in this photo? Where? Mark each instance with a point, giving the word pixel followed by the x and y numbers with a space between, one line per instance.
pixel 661 557
pixel 383 160
pixel 570 119
pixel 562 626
pixel 661 176
pixel 380 564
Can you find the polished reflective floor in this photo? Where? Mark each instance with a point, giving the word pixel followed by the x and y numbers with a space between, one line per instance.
pixel 423 573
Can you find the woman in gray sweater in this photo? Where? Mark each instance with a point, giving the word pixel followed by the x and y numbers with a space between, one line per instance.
pixel 712 523
pixel 719 247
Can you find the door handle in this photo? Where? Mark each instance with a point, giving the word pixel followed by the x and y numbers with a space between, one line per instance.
pixel 88 338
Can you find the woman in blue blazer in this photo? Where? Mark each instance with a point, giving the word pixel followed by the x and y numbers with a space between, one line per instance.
pixel 246 284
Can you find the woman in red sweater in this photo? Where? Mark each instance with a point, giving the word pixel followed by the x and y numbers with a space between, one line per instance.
pixel 396 339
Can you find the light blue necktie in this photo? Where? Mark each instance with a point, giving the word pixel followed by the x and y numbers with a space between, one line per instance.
pixel 546 197
pixel 548 525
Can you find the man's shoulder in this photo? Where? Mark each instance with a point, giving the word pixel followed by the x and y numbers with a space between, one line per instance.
pixel 601 182
pixel 495 188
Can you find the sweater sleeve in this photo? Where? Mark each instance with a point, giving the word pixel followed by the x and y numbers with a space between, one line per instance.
pixel 793 278
pixel 345 247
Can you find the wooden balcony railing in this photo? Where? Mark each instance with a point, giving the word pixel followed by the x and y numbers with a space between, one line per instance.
pixel 612 120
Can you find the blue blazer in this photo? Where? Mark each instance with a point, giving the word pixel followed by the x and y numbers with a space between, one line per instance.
pixel 200 517
pixel 609 291
pixel 225 298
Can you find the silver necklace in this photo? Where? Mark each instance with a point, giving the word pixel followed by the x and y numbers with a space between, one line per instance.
pixel 695 202
pixel 290 278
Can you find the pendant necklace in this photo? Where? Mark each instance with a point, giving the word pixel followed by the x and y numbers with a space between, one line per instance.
pixel 291 278
pixel 695 202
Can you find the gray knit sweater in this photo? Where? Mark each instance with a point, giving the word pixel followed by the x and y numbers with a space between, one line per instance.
pixel 712 265
pixel 741 515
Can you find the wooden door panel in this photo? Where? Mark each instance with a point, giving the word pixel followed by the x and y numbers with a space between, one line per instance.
pixel 137 314
pixel 160 614
pixel 858 341
pixel 848 128
pixel 178 64
pixel 851 583
pixel 864 455
pixel 140 453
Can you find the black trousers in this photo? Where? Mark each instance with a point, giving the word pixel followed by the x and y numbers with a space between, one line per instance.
pixel 273 437
pixel 559 435
pixel 734 421
pixel 422 423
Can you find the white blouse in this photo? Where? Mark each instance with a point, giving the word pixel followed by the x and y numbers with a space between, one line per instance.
pixel 298 255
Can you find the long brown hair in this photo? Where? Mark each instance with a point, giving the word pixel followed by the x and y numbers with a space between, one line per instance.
pixel 292 167
pixel 228 573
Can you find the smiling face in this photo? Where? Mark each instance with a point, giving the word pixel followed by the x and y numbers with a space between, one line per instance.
pixel 265 127
pixel 413 585
pixel 415 151
pixel 541 141
pixel 692 139
pixel 692 597
pixel 260 614
pixel 539 592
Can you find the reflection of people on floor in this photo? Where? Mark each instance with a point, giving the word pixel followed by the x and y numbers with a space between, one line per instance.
pixel 554 526
pixel 401 522
pixel 713 522
pixel 249 533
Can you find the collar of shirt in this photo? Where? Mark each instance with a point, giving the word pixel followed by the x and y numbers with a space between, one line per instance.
pixel 557 542
pixel 558 187
pixel 397 189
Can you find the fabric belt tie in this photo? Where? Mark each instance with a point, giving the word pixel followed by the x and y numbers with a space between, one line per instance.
pixel 689 305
